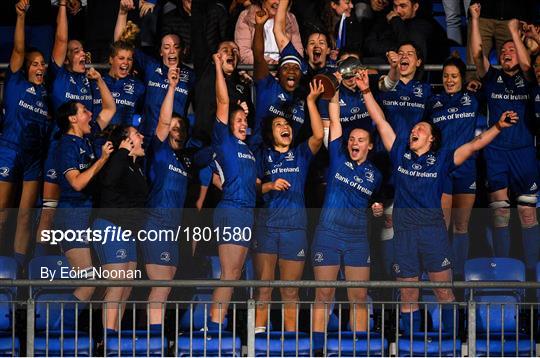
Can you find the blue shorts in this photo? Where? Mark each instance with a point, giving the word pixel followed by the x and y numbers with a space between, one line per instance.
pixel 163 251
pixel 73 219
pixel 233 226
pixel 331 248
pixel 514 169
pixel 425 248
pixel 49 166
pixel 15 166
pixel 462 180
pixel 287 244
pixel 114 252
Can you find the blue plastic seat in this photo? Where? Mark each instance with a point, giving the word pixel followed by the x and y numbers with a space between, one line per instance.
pixel 49 306
pixel 144 345
pixel 282 344
pixel 9 345
pixel 497 309
pixel 196 319
pixel 230 347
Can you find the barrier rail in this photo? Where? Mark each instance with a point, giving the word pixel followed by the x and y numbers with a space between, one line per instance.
pixel 492 321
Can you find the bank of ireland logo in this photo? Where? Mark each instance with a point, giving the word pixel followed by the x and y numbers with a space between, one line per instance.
pixel 4 172
pixel 121 254
pixel 165 256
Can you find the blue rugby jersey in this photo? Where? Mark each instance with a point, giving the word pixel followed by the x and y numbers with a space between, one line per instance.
pixel 26 123
pixel 284 209
pixel 156 82
pixel 505 93
pixel 418 183
pixel 236 167
pixel 128 93
pixel 167 174
pixel 69 86
pixel 348 192
pixel 404 106
pixel 455 115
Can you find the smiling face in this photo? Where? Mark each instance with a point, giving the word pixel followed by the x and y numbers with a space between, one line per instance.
pixel 317 50
pixel 405 9
pixel 239 125
pixel 452 80
pixel 137 140
pixel 342 7
pixel 421 138
pixel 170 50
pixel 76 57
pixel 508 57
pixel 282 133
pixel 289 76
pixel 229 50
pixel 121 63
pixel 378 5
pixel 359 145
pixel 408 61
pixel 35 68
pixel 177 134
pixel 271 7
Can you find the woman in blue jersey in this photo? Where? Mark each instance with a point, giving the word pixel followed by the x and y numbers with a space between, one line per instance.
pixel 154 74
pixel 127 90
pixel 454 112
pixel 23 135
pixel 403 98
pixel 341 236
pixel 233 217
pixel 168 176
pixel 67 75
pixel 420 165
pixel 79 166
pixel 281 231
pixel 122 193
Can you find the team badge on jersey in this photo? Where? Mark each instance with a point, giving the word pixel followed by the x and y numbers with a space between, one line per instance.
pixel 4 172
pixel 129 88
pixel 418 92
pixel 466 100
pixel 370 176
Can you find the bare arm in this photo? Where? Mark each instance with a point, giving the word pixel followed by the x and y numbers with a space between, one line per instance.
pixel 388 82
pixel 316 139
pixel 480 60
pixel 121 20
pixel 261 67
pixel 335 125
pixel 524 59
pixel 79 180
pixel 466 150
pixel 61 37
pixel 222 94
pixel 376 113
pixel 17 56
pixel 108 108
pixel 165 114
pixel 280 25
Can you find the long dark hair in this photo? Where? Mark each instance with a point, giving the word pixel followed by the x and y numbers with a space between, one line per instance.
pixel 437 136
pixel 63 113
pixel 419 54
pixel 117 134
pixel 458 63
pixel 268 136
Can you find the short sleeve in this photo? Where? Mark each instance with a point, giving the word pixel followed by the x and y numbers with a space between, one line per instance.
pixel 305 153
pixel 490 74
pixel 221 134
pixel 52 70
pixel 265 83
pixel 14 78
pixel 335 150
pixel 205 176
pixel 142 60
pixel 69 157
pixel 397 149
pixel 260 162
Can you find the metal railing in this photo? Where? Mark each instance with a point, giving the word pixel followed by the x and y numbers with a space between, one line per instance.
pixel 496 326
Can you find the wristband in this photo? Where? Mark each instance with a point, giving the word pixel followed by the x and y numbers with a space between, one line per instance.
pixel 389 84
pixel 365 91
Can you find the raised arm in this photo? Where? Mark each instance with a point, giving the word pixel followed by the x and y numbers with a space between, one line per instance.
pixel 108 108
pixel 389 82
pixel 17 56
pixel 222 94
pixel 280 25
pixel 121 20
pixel 524 59
pixel 259 62
pixel 61 37
pixel 335 124
pixel 480 141
pixel 480 60
pixel 165 114
pixel 376 113
pixel 316 88
pixel 79 180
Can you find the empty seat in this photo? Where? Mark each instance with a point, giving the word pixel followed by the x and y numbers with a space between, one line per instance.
pixel 282 344
pixel 209 344
pixel 142 345
pixel 9 343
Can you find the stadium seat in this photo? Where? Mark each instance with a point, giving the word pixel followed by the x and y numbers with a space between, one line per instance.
pixel 282 344
pixel 50 340
pixel 441 20
pixel 210 345
pixel 9 344
pixel 498 331
pixel 142 345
